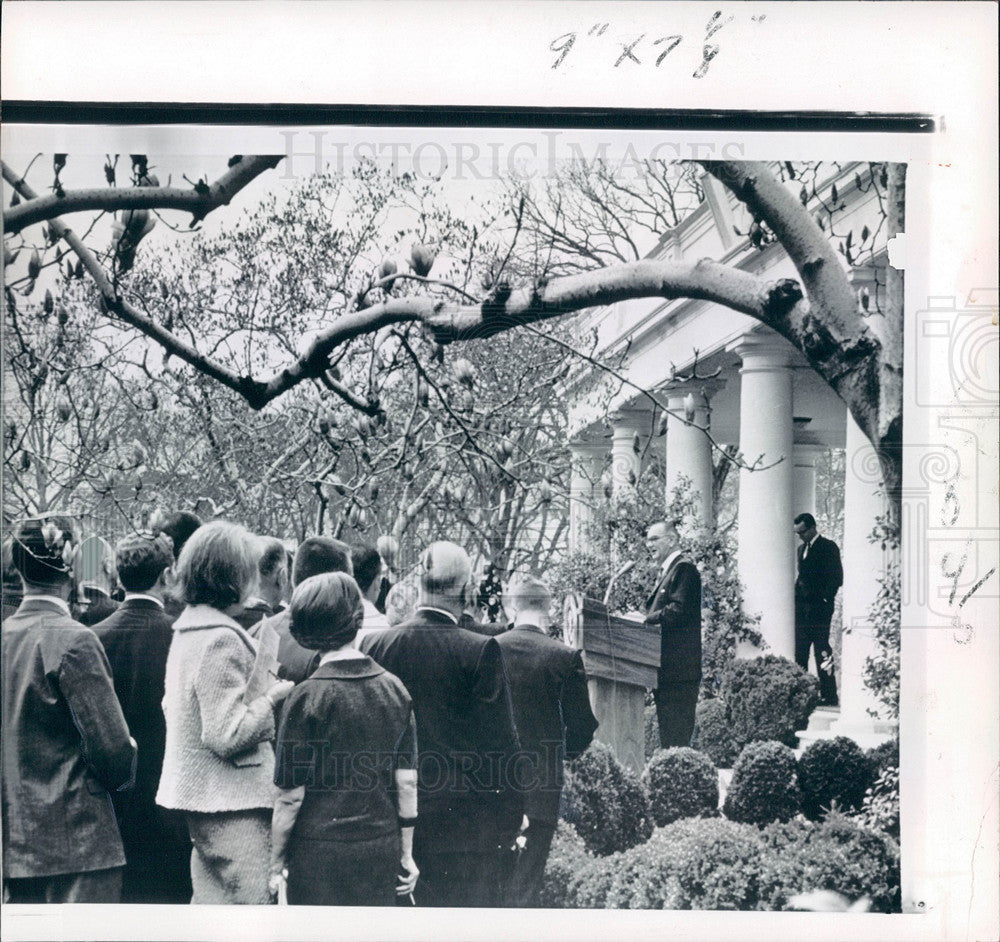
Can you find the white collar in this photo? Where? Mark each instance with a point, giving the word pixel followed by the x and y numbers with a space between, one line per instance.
pixel 348 653
pixel 440 611
pixel 61 604
pixel 669 561
pixel 142 595
pixel 369 607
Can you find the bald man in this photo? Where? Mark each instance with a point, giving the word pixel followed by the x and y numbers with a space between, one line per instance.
pixel 469 809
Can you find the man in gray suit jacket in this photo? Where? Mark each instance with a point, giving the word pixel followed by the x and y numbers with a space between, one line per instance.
pixel 65 742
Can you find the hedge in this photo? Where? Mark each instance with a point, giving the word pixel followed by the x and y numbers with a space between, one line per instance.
pixel 833 772
pixel 764 786
pixel 768 698
pixel 681 783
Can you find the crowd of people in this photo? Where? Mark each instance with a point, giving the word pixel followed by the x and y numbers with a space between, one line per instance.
pixel 250 725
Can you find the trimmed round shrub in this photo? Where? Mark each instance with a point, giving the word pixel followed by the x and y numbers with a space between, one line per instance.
pixel 884 756
pixel 764 787
pixel 713 735
pixel 681 783
pixel 768 698
pixel 605 802
pixel 833 771
pixel 691 864
pixel 837 854
pixel 567 857
pixel 588 888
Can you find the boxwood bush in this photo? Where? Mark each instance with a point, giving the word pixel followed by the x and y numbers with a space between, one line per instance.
pixel 691 864
pixel 588 888
pixel 768 698
pixel 605 802
pixel 839 854
pixel 884 756
pixel 713 735
pixel 833 771
pixel 681 783
pixel 764 787
pixel 567 857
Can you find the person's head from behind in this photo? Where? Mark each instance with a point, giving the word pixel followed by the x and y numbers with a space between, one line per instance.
pixel 42 552
pixel 179 526
pixel 144 562
pixel 272 570
pixel 445 577
pixel 528 600
pixel 367 569
pixel 325 612
pixel 401 603
pixel 218 567
pixel 320 554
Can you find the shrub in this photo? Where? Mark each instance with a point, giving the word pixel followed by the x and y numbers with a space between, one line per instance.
pixel 651 731
pixel 691 864
pixel 833 770
pixel 681 783
pixel 712 733
pixel 884 756
pixel 764 786
pixel 880 808
pixel 838 854
pixel 768 698
pixel 605 802
pixel 588 888
pixel 567 857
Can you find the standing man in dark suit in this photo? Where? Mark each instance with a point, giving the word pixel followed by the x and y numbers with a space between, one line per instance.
pixel 548 686
pixel 65 743
pixel 136 639
pixel 820 575
pixel 467 745
pixel 674 606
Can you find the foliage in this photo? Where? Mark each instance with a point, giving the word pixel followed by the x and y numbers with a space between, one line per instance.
pixel 764 786
pixel 880 808
pixel 838 854
pixel 681 783
pixel 768 698
pixel 724 624
pixel 833 772
pixel 567 856
pixel 690 864
pixel 605 802
pixel 713 735
pixel 589 888
pixel 884 756
pixel 881 672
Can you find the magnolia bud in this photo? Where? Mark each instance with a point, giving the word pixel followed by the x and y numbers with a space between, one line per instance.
pixel 422 259
pixel 387 269
pixel 49 303
pixel 544 492
pixel 689 407
pixel 34 264
pixel 63 410
pixel 464 372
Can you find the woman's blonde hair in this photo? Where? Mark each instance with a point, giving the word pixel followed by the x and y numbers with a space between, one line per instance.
pixel 218 565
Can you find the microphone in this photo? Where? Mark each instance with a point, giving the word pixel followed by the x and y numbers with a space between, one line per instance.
pixel 627 568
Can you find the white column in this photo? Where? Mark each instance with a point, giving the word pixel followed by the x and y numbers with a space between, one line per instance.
pixel 804 478
pixel 586 465
pixel 630 428
pixel 864 563
pixel 766 549
pixel 689 452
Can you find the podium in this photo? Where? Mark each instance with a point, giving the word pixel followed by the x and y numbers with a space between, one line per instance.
pixel 622 657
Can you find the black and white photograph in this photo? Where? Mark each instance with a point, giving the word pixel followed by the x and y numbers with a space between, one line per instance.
pixel 569 516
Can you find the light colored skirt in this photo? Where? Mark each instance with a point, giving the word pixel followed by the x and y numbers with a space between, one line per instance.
pixel 230 857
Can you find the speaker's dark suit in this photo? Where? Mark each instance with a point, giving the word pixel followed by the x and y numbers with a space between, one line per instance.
pixel 820 575
pixel 136 639
pixel 674 606
pixel 548 686
pixel 468 809
pixel 65 746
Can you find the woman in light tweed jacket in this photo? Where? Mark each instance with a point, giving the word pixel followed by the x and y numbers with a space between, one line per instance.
pixel 218 766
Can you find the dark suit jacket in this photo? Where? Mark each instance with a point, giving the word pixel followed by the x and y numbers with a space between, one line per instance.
pixel 820 575
pixel 136 639
pixel 255 611
pixel 675 606
pixel 296 663
pixel 65 746
pixel 548 687
pixel 466 739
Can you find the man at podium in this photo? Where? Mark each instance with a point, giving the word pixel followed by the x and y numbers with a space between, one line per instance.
pixel 675 606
